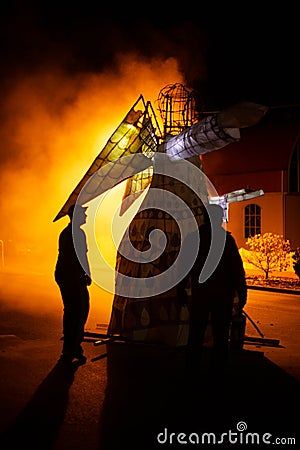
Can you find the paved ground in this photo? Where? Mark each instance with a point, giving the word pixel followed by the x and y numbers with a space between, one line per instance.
pixel 132 396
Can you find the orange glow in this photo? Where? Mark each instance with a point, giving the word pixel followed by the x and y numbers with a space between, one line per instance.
pixel 54 127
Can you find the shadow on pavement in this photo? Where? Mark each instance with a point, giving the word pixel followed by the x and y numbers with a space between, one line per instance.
pixel 37 425
pixel 149 397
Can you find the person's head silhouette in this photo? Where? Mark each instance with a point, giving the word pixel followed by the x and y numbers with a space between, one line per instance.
pixel 215 214
pixel 77 214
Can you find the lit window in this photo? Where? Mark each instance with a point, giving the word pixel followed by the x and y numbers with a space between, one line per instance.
pixel 252 220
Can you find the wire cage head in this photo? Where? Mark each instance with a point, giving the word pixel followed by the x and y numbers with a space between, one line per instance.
pixel 177 107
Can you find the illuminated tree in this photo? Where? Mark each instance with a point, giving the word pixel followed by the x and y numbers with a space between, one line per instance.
pixel 269 252
pixel 296 263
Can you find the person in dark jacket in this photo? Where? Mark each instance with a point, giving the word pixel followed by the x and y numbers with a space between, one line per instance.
pixel 213 299
pixel 72 274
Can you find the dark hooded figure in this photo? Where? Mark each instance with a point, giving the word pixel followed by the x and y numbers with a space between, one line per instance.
pixel 72 274
pixel 213 299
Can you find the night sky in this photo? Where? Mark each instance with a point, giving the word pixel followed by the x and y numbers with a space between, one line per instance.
pixel 226 53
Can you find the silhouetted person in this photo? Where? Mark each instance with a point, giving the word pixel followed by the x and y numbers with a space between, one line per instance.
pixel 214 298
pixel 72 275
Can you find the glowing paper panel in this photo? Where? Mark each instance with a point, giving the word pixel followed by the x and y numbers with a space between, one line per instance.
pixel 134 135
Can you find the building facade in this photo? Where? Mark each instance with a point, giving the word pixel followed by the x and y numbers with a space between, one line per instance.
pixel 267 157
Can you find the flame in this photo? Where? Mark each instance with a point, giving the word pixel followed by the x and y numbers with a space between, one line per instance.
pixel 54 126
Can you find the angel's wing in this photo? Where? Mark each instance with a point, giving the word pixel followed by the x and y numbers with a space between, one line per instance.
pixel 134 136
pixel 137 184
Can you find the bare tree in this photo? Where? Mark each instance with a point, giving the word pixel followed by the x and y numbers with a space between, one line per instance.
pixel 269 252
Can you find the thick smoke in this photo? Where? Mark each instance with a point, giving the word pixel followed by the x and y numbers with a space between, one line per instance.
pixel 53 127
pixel 69 75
